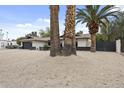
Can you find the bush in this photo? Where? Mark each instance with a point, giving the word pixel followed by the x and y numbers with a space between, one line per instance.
pixel 101 37
pixel 12 47
pixel 45 47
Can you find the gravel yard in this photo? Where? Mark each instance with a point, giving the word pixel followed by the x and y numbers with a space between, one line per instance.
pixel 28 68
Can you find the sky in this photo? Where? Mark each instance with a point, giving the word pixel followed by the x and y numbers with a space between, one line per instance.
pixel 21 20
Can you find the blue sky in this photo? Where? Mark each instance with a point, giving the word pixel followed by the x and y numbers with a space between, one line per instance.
pixel 20 20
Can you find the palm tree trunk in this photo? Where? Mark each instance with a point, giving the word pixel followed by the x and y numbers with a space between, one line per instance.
pixel 69 35
pixel 93 42
pixel 54 29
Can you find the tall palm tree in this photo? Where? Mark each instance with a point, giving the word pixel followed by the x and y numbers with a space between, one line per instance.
pixel 69 34
pixel 95 16
pixel 54 31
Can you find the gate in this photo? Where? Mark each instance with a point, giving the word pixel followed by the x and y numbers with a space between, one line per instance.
pixel 122 45
pixel 106 46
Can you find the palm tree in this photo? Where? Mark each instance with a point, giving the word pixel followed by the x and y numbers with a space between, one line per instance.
pixel 95 16
pixel 69 34
pixel 54 31
pixel 44 33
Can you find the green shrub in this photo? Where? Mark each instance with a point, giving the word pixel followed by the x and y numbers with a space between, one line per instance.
pixel 12 47
pixel 46 47
pixel 101 37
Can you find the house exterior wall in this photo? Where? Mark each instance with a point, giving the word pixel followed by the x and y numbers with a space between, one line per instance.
pixel 38 44
pixel 10 43
pixel 118 46
pixel 62 43
pixel 83 43
pixel 3 44
pixel 80 43
pixel 14 43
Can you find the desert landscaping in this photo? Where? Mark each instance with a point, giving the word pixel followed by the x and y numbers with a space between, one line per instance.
pixel 26 68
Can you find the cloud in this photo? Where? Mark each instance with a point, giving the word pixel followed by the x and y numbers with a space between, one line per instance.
pixel 47 20
pixel 42 20
pixel 24 25
pixel 39 20
pixel 82 27
pixel 36 24
pixel 22 29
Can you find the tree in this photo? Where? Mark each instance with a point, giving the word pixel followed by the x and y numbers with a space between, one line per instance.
pixel 18 40
pixel 101 37
pixel 95 16
pixel 45 33
pixel 69 33
pixel 117 28
pixel 32 34
pixel 54 31
pixel 1 34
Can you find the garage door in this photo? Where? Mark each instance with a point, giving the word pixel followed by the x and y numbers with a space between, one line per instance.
pixel 27 45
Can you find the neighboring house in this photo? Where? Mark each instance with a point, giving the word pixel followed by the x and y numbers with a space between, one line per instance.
pixel 4 43
pixel 12 42
pixel 34 43
pixel 83 42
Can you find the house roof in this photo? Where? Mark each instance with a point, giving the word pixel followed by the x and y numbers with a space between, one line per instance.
pixel 5 40
pixel 36 39
pixel 83 36
pixel 45 39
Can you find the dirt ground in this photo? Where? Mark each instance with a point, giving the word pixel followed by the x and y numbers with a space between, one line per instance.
pixel 35 69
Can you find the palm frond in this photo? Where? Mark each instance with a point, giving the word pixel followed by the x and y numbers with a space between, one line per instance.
pixel 110 14
pixel 103 24
pixel 105 9
pixel 96 8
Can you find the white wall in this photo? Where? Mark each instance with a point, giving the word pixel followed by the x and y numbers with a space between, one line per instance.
pixel 118 46
pixel 38 44
pixel 3 44
pixel 62 42
pixel 14 43
pixel 83 43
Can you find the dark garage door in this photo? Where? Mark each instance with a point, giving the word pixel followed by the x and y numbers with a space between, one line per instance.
pixel 27 45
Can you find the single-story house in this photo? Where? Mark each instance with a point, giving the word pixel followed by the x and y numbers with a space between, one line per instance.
pixel 83 42
pixel 4 43
pixel 34 43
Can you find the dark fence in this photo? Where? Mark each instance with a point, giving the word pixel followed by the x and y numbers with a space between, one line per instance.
pixel 106 46
pixel 122 45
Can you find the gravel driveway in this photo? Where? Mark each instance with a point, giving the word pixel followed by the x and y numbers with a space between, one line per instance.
pixel 26 68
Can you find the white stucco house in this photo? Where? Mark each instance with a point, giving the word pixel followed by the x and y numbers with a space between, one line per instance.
pixel 83 42
pixel 4 43
pixel 34 43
